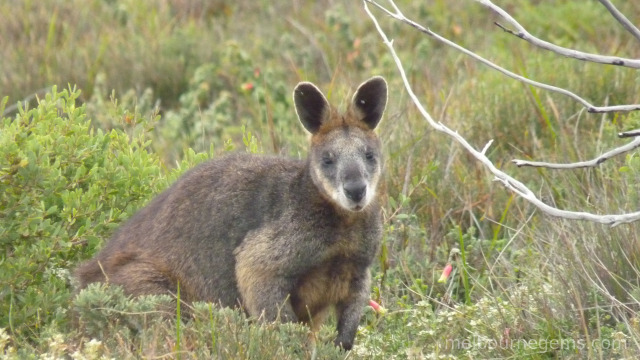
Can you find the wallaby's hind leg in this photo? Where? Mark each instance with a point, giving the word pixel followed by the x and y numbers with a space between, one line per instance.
pixel 142 278
pixel 265 293
pixel 137 277
pixel 265 297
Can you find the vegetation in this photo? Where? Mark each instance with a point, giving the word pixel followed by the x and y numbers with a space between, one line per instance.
pixel 130 94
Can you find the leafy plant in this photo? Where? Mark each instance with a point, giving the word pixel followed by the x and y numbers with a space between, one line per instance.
pixel 64 187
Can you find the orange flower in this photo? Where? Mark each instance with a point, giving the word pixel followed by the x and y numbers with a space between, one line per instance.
pixel 246 87
pixel 377 307
pixel 445 273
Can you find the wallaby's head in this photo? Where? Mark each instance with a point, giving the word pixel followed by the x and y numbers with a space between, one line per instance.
pixel 345 158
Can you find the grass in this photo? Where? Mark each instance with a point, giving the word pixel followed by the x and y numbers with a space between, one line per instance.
pixel 171 83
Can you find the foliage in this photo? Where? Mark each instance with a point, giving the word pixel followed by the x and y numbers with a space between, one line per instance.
pixel 208 331
pixel 64 186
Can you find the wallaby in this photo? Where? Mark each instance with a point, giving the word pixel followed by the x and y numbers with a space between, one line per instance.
pixel 284 239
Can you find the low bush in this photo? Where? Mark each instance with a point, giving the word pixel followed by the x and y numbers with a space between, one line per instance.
pixel 64 186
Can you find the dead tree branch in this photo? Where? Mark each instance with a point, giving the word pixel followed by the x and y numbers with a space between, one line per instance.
pixel 509 182
pixel 621 18
pixel 583 164
pixel 630 133
pixel 522 33
pixel 590 107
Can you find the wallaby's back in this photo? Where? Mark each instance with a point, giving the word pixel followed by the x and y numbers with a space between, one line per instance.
pixel 282 238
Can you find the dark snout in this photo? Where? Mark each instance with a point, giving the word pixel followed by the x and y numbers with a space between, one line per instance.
pixel 355 191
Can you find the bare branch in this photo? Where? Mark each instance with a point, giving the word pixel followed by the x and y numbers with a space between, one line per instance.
pixel 583 164
pixel 621 18
pixel 486 147
pixel 509 182
pixel 522 33
pixel 590 107
pixel 630 133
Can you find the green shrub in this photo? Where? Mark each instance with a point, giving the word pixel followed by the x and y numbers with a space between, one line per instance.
pixel 63 187
pixel 132 327
pixel 103 310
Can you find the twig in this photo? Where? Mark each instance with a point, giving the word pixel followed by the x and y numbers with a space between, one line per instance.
pixel 509 182
pixel 590 107
pixel 630 133
pixel 522 33
pixel 582 164
pixel 621 18
pixel 407 174
pixel 9 109
pixel 486 147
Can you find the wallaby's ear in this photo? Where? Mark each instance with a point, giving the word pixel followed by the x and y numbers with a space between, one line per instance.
pixel 311 106
pixel 370 100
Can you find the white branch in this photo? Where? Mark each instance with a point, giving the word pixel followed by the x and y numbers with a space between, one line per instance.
pixel 630 133
pixel 509 182
pixel 522 33
pixel 486 147
pixel 621 18
pixel 582 164
pixel 590 107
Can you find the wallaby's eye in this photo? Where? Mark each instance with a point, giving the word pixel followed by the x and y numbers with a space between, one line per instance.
pixel 327 159
pixel 369 155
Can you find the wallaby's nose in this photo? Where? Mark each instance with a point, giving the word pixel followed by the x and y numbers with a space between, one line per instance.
pixel 355 191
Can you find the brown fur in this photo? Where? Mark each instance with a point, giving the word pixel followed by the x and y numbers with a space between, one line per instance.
pixel 282 238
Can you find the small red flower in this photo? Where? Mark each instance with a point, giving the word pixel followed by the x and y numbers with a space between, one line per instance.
pixel 377 307
pixel 246 87
pixel 445 273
